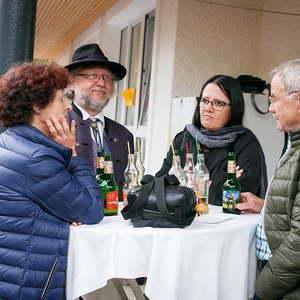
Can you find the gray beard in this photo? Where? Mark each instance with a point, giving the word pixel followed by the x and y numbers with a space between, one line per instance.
pixel 83 99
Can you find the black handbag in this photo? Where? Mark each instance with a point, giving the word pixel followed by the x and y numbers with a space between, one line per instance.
pixel 254 85
pixel 160 202
pixel 251 84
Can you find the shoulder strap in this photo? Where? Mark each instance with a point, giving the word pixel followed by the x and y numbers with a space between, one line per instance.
pixel 137 205
pixel 161 201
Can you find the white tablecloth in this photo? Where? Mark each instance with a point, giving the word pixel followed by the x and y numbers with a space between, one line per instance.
pixel 212 259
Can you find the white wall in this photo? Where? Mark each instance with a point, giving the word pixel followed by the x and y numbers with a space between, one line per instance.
pixel 161 83
pixel 264 127
pixel 212 39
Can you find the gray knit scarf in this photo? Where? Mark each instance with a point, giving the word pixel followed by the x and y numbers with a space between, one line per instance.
pixel 216 139
pixel 223 138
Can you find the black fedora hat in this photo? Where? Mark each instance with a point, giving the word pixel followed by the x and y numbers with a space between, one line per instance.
pixel 91 55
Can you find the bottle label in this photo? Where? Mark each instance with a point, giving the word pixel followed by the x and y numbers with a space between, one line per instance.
pixel 100 162
pixel 112 200
pixel 125 202
pixel 108 167
pixel 231 199
pixel 231 166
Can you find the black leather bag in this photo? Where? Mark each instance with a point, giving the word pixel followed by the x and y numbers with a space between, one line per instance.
pixel 160 202
pixel 251 84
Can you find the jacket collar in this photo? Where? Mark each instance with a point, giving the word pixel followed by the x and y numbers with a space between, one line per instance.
pixel 36 136
pixel 295 138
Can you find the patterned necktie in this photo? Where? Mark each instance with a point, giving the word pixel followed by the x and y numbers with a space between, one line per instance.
pixel 96 132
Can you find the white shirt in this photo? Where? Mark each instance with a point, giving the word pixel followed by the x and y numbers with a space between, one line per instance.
pixel 100 125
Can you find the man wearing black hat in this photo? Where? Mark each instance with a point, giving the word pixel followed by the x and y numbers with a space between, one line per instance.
pixel 94 77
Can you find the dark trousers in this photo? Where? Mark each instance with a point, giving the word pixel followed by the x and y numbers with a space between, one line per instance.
pixel 261 264
pixel 256 297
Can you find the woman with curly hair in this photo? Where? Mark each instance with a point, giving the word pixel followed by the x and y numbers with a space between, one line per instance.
pixel 44 186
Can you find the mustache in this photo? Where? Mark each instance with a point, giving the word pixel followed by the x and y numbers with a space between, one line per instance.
pixel 85 100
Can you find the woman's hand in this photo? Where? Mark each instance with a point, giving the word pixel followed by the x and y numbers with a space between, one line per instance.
pixel 62 133
pixel 238 172
pixel 76 223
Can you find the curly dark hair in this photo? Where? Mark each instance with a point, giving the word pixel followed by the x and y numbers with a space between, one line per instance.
pixel 26 85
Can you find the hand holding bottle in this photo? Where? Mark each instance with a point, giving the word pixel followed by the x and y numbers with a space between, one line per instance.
pixel 250 203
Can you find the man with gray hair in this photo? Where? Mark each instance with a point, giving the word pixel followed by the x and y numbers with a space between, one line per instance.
pixel 280 278
pixel 93 86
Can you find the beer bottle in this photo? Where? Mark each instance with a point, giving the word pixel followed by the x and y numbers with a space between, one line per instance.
pixel 231 189
pixel 100 166
pixel 109 188
pixel 100 177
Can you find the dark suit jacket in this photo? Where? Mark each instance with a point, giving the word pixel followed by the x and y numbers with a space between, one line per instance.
pixel 115 136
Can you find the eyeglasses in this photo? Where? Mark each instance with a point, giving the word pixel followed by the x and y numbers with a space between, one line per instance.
pixel 216 104
pixel 95 77
pixel 274 99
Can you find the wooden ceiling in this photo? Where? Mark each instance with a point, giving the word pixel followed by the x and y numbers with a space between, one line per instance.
pixel 59 22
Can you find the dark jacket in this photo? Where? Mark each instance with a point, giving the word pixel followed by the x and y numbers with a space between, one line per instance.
pixel 42 189
pixel 246 147
pixel 115 136
pixel 281 276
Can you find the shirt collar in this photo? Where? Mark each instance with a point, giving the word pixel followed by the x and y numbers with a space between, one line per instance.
pixel 86 115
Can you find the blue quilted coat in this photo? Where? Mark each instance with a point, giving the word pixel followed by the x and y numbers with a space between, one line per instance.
pixel 42 189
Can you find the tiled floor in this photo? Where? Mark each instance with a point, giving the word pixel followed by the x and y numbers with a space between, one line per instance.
pixel 109 292
pixel 129 292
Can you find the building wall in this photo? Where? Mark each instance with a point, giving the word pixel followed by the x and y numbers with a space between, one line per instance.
pixel 233 37
pixel 212 40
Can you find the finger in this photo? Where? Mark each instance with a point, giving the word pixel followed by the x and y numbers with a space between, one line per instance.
pixel 51 128
pixel 243 206
pixel 243 197
pixel 73 127
pixel 57 125
pixel 64 124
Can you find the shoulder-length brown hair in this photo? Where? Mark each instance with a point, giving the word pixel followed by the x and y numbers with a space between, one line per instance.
pixel 26 85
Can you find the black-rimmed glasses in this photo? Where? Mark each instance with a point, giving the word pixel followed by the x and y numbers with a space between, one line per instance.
pixel 216 104
pixel 95 77
pixel 274 99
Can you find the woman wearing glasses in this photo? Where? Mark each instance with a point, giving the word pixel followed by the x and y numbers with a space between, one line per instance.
pixel 217 126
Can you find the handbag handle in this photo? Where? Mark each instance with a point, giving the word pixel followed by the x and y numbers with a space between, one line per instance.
pixel 138 204
pixel 161 200
pixel 145 191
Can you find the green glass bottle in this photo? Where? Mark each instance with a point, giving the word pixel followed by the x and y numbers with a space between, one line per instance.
pixel 231 190
pixel 100 176
pixel 100 166
pixel 109 188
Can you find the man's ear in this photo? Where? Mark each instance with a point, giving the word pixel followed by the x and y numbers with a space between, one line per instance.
pixel 69 93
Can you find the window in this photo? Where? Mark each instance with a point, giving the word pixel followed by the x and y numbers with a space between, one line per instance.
pixel 136 55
